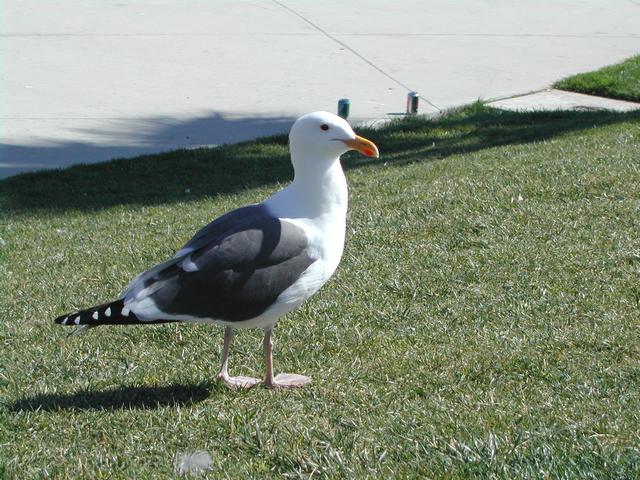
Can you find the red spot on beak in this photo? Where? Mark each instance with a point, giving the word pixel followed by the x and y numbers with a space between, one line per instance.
pixel 362 145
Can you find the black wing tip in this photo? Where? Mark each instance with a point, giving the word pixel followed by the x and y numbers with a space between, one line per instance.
pixel 114 313
pixel 61 319
pixel 72 319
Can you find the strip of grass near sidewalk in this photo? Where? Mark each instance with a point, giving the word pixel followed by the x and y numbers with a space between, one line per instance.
pixel 621 81
pixel 483 322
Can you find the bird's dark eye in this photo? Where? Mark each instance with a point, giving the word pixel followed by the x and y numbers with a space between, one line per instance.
pixel 324 126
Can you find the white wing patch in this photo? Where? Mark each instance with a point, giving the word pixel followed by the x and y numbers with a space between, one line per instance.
pixel 189 265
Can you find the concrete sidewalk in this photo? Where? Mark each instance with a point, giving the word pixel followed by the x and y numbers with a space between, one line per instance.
pixel 552 99
pixel 89 81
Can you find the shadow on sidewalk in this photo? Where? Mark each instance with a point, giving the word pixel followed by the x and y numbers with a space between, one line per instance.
pixel 136 137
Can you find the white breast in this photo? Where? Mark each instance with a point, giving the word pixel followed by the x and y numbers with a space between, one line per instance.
pixel 320 209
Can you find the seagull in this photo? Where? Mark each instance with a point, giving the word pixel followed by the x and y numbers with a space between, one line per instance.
pixel 252 265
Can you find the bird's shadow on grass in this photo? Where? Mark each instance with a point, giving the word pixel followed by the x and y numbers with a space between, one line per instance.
pixel 186 175
pixel 124 398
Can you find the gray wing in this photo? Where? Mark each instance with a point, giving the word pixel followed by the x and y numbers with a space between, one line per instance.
pixel 233 269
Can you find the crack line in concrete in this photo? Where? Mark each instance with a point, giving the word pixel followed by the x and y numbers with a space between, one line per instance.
pixel 360 56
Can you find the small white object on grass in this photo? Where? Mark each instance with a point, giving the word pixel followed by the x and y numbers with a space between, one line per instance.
pixel 194 462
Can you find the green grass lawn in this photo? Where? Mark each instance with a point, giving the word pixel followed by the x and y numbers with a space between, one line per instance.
pixel 621 81
pixel 484 321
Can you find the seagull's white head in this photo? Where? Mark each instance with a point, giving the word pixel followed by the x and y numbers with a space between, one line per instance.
pixel 324 136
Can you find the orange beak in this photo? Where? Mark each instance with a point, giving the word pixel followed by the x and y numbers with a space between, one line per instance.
pixel 364 146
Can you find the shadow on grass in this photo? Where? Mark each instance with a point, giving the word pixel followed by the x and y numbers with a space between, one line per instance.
pixel 186 175
pixel 124 398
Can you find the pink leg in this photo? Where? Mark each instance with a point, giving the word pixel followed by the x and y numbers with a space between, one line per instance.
pixel 284 380
pixel 233 382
